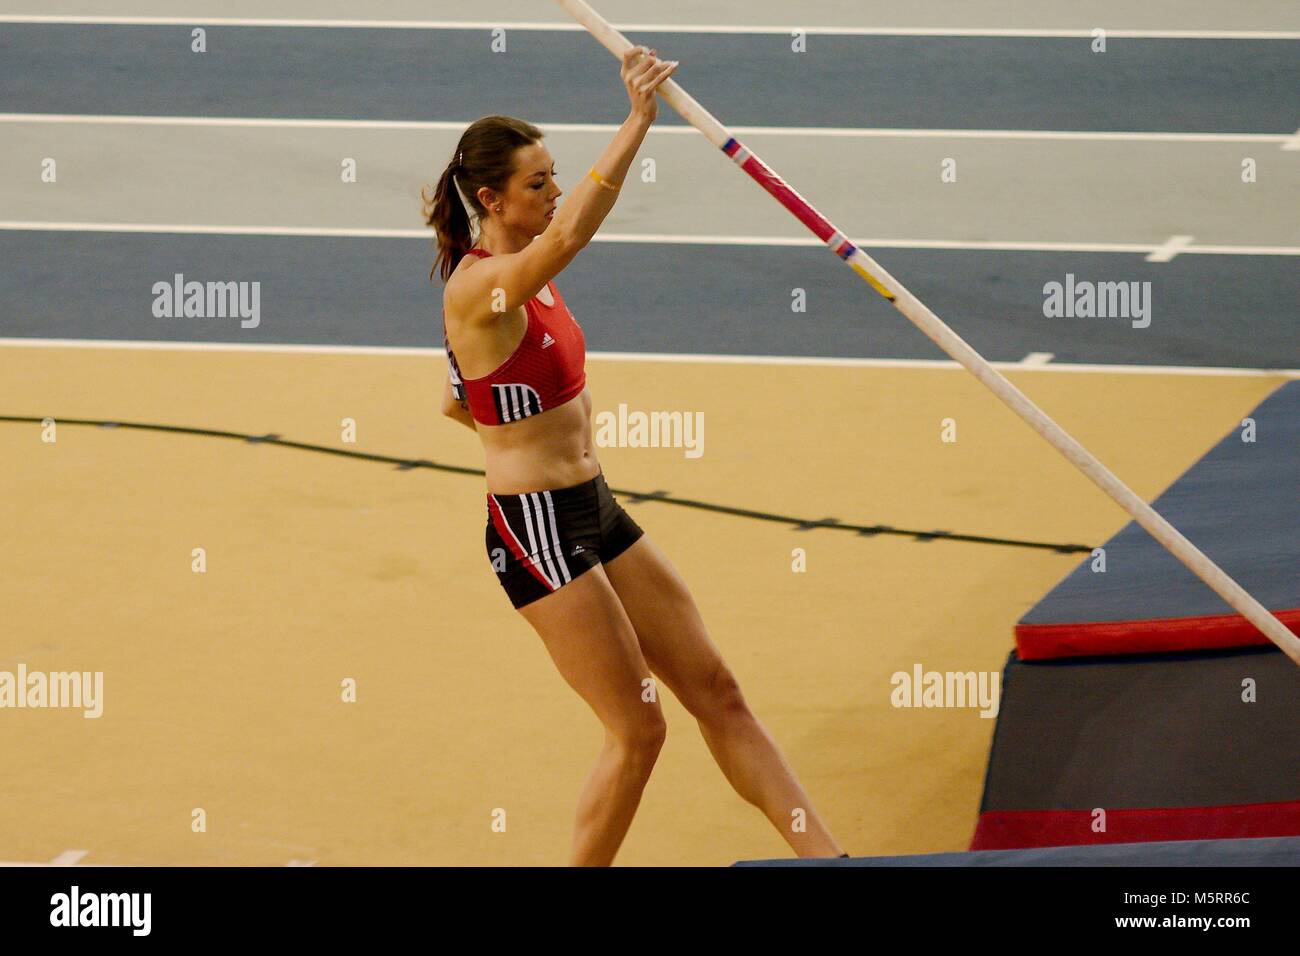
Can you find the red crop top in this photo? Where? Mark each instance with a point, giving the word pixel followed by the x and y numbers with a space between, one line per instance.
pixel 545 371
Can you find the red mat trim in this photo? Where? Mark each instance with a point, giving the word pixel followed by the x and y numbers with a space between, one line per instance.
pixel 1153 635
pixel 1022 829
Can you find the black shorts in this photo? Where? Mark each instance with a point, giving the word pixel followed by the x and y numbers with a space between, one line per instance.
pixel 540 541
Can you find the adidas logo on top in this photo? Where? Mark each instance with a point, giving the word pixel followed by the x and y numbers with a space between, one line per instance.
pixel 547 340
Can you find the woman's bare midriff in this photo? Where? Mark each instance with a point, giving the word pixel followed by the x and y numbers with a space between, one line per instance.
pixel 541 452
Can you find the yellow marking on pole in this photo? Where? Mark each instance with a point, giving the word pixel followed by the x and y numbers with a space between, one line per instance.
pixel 872 280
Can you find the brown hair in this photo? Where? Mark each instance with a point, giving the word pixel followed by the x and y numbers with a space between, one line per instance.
pixel 485 156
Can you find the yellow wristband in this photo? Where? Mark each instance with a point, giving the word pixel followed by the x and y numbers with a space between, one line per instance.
pixel 596 176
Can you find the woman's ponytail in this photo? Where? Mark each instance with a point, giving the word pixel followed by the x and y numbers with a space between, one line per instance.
pixel 483 157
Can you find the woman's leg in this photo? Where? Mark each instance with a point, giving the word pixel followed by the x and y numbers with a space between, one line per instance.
pixel 592 642
pixel 678 649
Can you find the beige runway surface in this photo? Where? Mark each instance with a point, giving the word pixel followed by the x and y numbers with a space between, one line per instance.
pixel 223 689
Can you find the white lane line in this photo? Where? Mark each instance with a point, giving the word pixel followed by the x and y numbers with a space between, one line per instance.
pixel 457 126
pixel 1292 143
pixel 66 858
pixel 191 229
pixel 487 25
pixel 1038 358
pixel 1007 245
pixel 685 358
pixel 137 344
pixel 1170 248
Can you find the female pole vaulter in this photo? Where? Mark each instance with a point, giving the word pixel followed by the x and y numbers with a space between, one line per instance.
pixel 606 602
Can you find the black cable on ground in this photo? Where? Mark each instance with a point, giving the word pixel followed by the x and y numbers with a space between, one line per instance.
pixel 634 497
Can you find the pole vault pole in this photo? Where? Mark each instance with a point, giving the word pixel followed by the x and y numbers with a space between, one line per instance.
pixel 950 342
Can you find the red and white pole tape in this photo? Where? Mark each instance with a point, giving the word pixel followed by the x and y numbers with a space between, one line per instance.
pixel 950 341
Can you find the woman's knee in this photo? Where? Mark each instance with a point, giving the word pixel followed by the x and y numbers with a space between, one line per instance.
pixel 643 736
pixel 723 695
